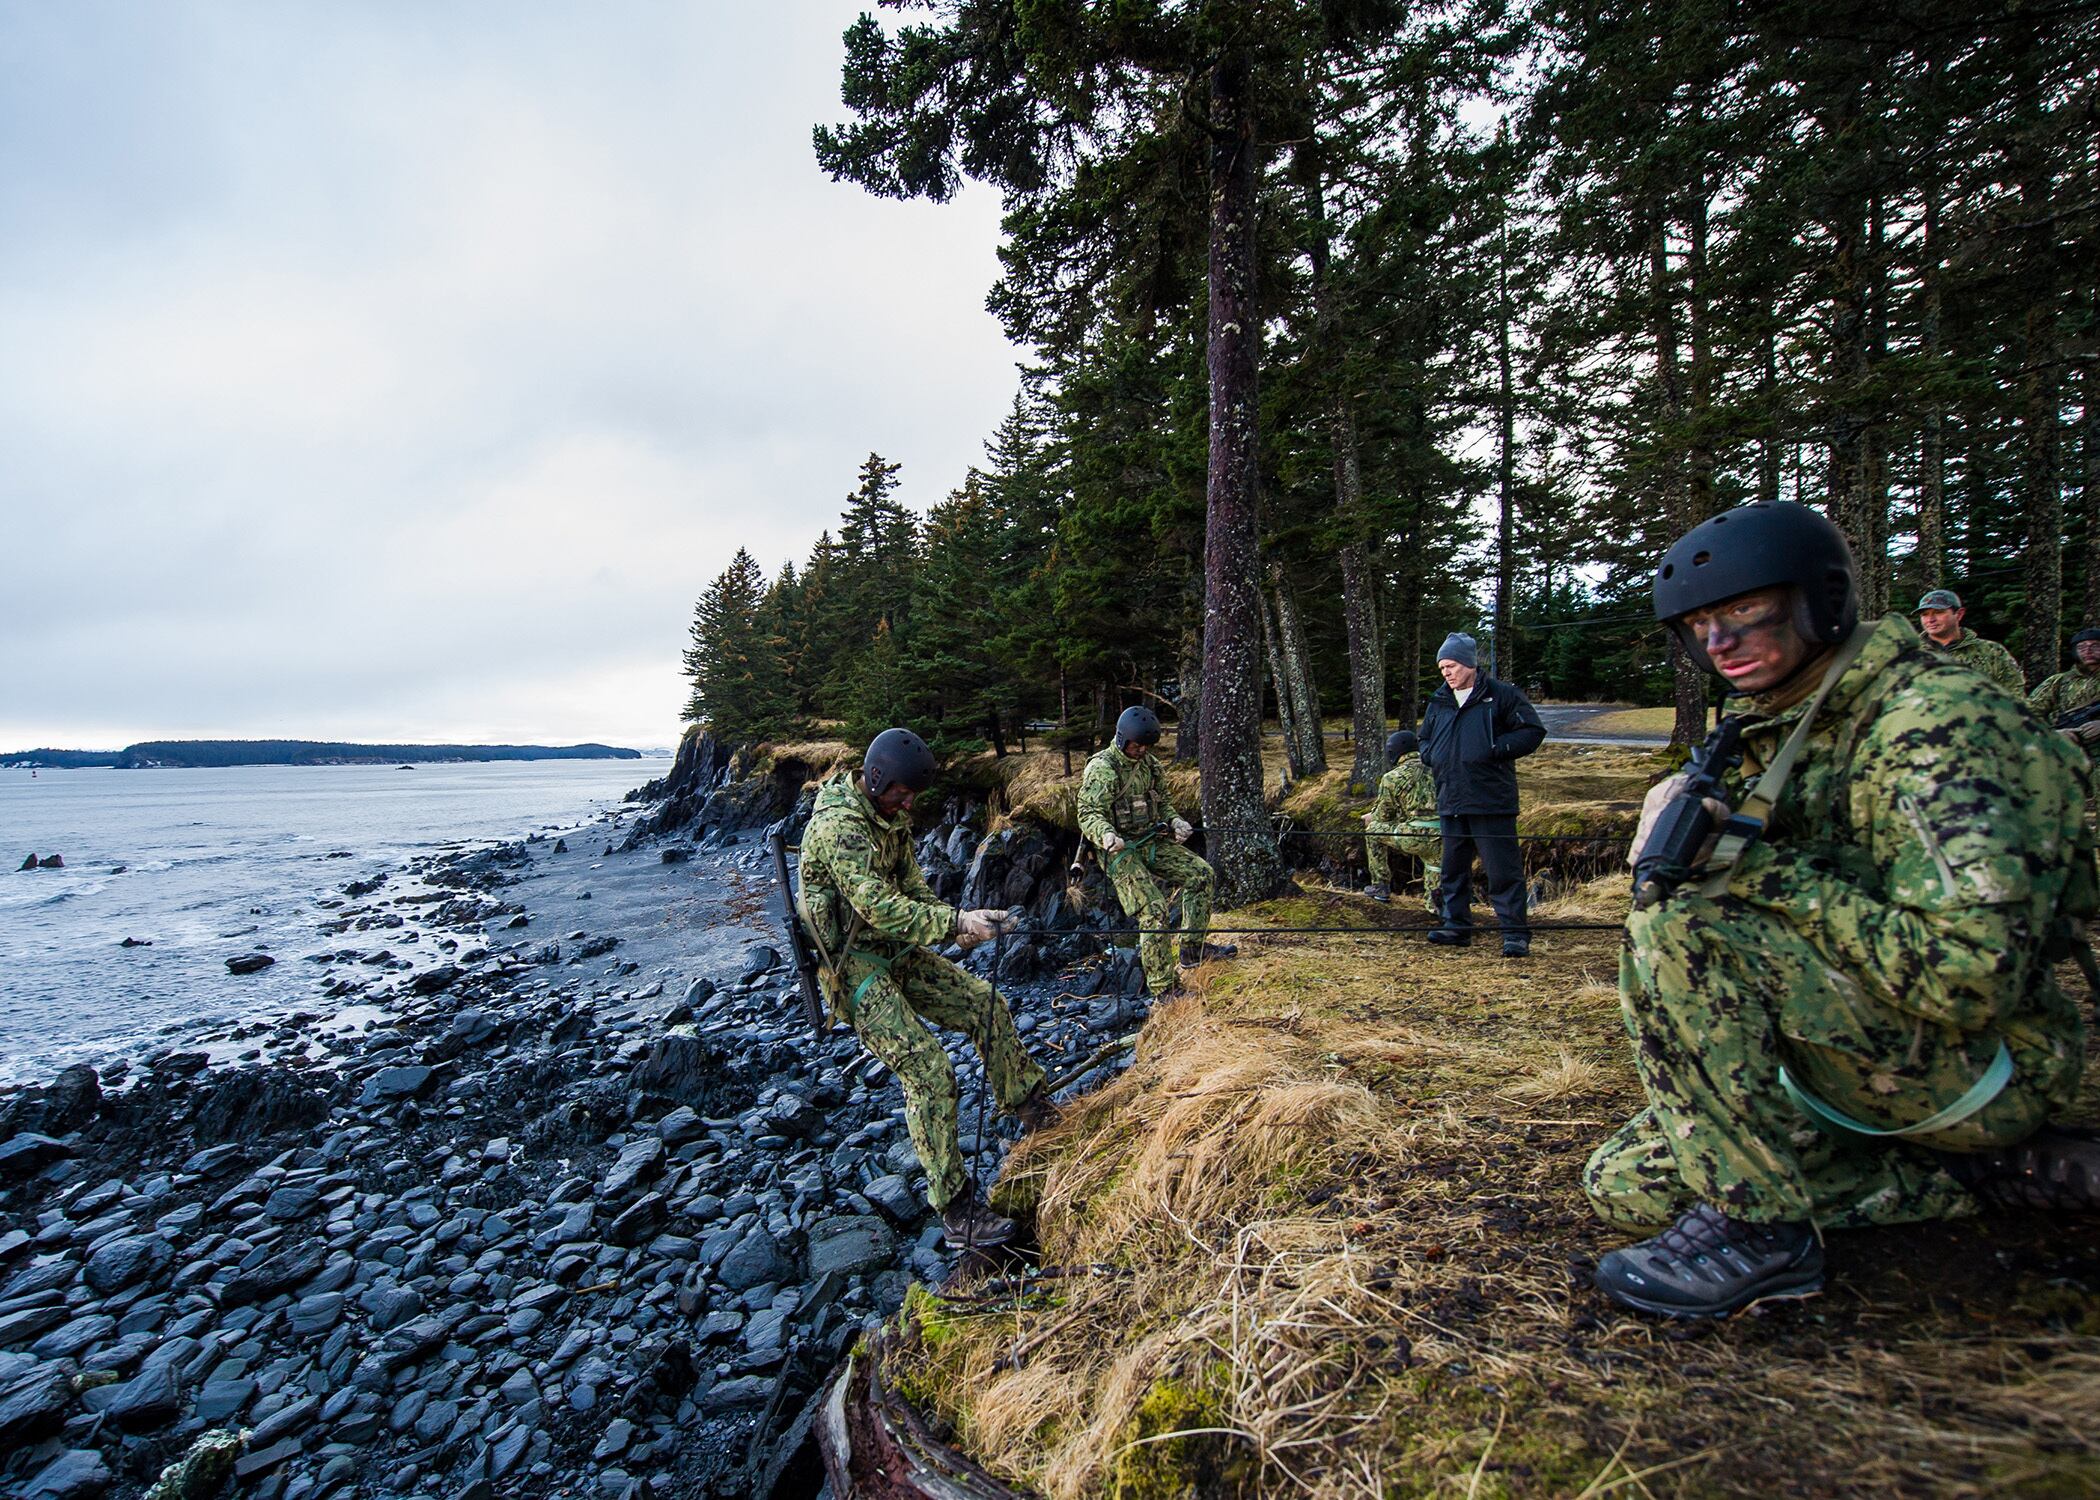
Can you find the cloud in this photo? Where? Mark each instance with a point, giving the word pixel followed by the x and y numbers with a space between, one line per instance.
pixel 406 371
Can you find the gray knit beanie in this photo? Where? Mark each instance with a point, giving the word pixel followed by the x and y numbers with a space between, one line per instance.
pixel 1461 648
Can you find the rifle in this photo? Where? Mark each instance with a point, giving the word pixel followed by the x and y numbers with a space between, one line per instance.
pixel 1685 823
pixel 797 939
pixel 2078 717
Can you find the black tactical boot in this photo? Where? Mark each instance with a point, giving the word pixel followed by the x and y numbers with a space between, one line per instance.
pixel 1193 954
pixel 1450 937
pixel 968 1223
pixel 1708 1265
pixel 1514 946
pixel 2055 1169
pixel 1038 1111
pixel 1379 893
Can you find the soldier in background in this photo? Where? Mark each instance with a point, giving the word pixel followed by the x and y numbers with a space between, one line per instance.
pixel 1403 820
pixel 872 916
pixel 1126 813
pixel 1851 1016
pixel 2067 692
pixel 1940 615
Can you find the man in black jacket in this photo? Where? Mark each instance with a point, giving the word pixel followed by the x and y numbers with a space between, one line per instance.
pixel 1473 733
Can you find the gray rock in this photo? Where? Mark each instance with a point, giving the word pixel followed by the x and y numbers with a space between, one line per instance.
pixel 221 1399
pixel 391 1084
pixel 75 1473
pixel 619 1432
pixel 32 1404
pixel 759 959
pixel 289 1203
pixel 149 1401
pixel 849 1244
pixel 640 1158
pixel 19 1329
pixel 249 963
pixel 893 1195
pixel 25 1155
pixel 75 1337
pixel 754 1260
pixel 276 1274
pixel 679 1126
pixel 316 1314
pixel 739 1392
pixel 638 1222
pixel 390 1307
pixel 296 1417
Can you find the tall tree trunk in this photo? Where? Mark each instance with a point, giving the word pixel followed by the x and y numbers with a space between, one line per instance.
pixel 1502 657
pixel 1768 400
pixel 1847 360
pixel 1930 559
pixel 1298 674
pixel 2041 561
pixel 1247 860
pixel 1279 684
pixel 1688 683
pixel 1359 579
pixel 2089 494
pixel 1874 442
pixel 1188 724
pixel 1699 450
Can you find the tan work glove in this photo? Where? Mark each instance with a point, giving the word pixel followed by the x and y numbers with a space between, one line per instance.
pixel 1111 842
pixel 2087 734
pixel 981 926
pixel 1182 829
pixel 1659 796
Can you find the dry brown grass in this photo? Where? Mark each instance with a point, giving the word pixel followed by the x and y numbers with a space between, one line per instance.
pixel 1341 1248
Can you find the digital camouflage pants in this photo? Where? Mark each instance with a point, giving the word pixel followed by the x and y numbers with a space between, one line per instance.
pixel 1717 995
pixel 888 1002
pixel 1145 877
pixel 1420 838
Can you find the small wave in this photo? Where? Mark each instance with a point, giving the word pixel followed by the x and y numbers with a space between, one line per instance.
pixel 48 894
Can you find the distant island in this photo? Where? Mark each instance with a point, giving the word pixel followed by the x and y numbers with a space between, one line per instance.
pixel 191 754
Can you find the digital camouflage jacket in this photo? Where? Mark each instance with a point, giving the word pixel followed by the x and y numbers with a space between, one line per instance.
pixel 1987 657
pixel 1930 845
pixel 2066 692
pixel 1124 795
pixel 1405 793
pixel 854 860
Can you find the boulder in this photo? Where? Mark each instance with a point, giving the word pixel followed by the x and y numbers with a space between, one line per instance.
pixel 33 1404
pixel 125 1262
pixel 433 981
pixel 26 1154
pixel 249 963
pixel 754 1260
pixel 149 1401
pixel 52 862
pixel 760 958
pixel 73 1475
pixel 390 1085
pixel 640 1158
pixel 849 1244
pixel 27 864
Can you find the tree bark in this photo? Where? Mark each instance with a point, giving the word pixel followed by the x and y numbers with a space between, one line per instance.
pixel 1930 559
pixel 1248 863
pixel 1502 656
pixel 1687 681
pixel 1359 579
pixel 2041 561
pixel 2089 496
pixel 1298 674
pixel 1286 708
pixel 1188 730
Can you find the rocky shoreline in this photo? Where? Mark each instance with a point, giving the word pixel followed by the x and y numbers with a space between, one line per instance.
pixel 529 1214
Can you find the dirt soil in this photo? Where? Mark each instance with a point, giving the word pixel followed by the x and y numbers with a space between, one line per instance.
pixel 1325 1237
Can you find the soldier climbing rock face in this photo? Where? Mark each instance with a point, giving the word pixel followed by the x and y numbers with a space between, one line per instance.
pixel 1849 1013
pixel 1126 813
pixel 871 915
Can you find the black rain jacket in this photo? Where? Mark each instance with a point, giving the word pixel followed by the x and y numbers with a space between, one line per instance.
pixel 1474 750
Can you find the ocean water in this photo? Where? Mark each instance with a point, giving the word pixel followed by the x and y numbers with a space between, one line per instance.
pixel 207 864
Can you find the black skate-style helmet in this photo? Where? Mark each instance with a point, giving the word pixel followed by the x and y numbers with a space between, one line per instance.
pixel 1136 725
pixel 896 757
pixel 1758 546
pixel 1400 742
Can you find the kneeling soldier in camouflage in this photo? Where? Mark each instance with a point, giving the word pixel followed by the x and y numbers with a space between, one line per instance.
pixel 1847 1013
pixel 871 914
pixel 1403 820
pixel 1125 812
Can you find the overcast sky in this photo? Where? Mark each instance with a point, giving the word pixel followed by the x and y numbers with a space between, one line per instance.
pixel 404 369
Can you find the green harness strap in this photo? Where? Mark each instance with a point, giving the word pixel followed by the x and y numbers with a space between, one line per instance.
pixel 1980 1093
pixel 882 971
pixel 1130 847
